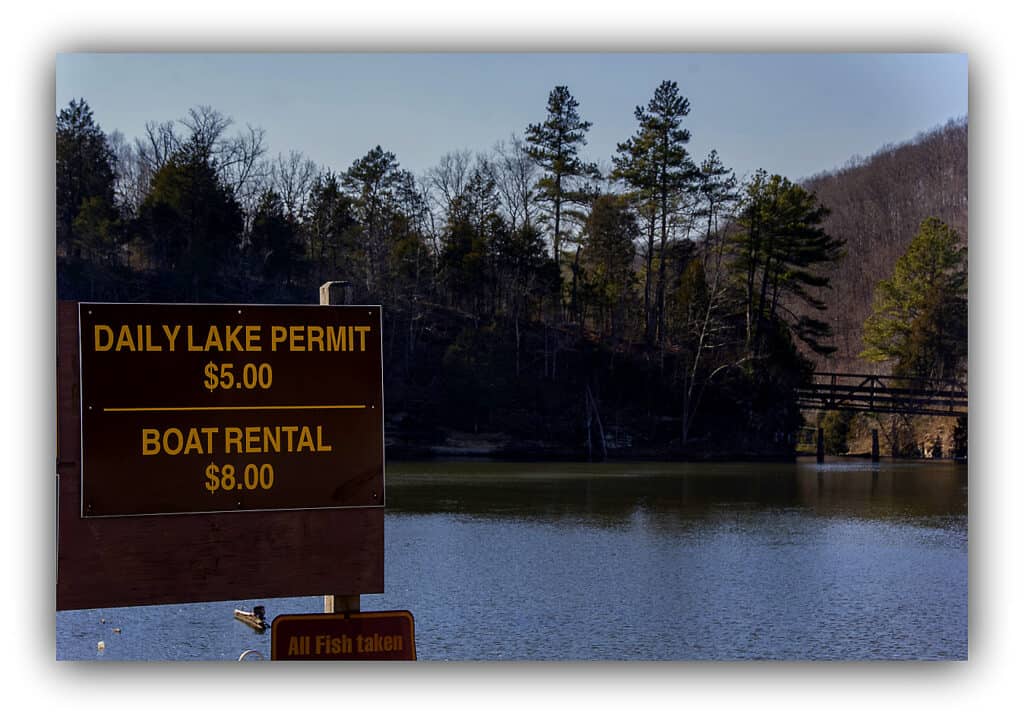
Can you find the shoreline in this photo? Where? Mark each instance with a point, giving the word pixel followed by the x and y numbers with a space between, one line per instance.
pixel 398 452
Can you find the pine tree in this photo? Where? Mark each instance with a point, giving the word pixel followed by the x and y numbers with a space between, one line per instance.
pixel 717 189
pixel 190 223
pixel 274 241
pixel 372 181
pixel 607 257
pixel 780 252
pixel 919 317
pixel 554 145
pixel 655 164
pixel 85 186
pixel 329 230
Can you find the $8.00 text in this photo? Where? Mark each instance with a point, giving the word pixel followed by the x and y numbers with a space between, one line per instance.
pixel 254 477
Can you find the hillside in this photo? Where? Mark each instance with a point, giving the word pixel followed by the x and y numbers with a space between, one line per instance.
pixel 877 206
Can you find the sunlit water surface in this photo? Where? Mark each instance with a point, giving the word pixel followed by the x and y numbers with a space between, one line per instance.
pixel 647 561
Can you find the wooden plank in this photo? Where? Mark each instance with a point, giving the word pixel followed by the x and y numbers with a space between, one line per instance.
pixel 113 562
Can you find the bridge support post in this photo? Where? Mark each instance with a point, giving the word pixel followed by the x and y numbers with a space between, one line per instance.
pixel 821 445
pixel 874 445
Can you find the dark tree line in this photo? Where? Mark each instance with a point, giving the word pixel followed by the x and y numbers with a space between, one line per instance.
pixel 549 298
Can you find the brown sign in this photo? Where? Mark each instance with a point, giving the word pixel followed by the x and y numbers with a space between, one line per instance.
pixel 226 408
pixel 354 636
pixel 197 557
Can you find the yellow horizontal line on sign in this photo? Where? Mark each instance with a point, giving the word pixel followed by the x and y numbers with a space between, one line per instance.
pixel 239 407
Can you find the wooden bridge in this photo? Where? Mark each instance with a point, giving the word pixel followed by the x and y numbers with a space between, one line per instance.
pixel 883 394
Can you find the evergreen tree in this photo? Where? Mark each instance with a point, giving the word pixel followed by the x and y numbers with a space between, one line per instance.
pixel 330 230
pixel 274 241
pixel 383 196
pixel 554 145
pixel 919 317
pixel 656 164
pixel 634 164
pixel 607 258
pixel 410 261
pixel 525 277
pixel 86 214
pixel 190 224
pixel 780 250
pixel 469 240
pixel 717 189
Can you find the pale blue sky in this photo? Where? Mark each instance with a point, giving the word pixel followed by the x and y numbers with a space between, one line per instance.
pixel 791 114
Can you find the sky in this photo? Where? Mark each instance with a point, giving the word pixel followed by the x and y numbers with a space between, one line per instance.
pixel 792 114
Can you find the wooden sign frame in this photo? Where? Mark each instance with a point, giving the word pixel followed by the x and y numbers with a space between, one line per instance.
pixel 230 408
pixel 124 561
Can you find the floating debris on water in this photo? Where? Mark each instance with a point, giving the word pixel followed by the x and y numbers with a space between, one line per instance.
pixel 256 619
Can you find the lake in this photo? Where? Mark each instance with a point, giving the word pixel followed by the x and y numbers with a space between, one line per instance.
pixel 634 561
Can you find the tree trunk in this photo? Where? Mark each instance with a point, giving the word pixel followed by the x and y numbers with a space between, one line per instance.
pixel 600 425
pixel 574 302
pixel 647 282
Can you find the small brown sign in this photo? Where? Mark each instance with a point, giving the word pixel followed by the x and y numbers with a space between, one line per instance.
pixel 354 636
pixel 226 408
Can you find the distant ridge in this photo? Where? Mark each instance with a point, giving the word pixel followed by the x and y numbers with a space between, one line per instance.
pixel 877 205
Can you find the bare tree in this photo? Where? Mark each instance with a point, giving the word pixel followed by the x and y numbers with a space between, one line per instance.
pixel 237 160
pixel 157 146
pixel 432 221
pixel 131 178
pixel 447 180
pixel 516 178
pixel 240 166
pixel 206 126
pixel 292 178
pixel 709 330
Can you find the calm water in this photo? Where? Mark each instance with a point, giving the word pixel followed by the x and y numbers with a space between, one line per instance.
pixel 516 561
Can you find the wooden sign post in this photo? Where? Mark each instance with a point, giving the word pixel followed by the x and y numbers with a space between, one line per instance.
pixel 338 293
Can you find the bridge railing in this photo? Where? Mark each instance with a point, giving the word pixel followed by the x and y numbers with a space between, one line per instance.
pixel 884 393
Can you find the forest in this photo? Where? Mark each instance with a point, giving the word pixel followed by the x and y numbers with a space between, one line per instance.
pixel 535 306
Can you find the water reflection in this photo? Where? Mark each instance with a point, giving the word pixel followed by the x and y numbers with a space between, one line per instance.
pixel 606 494
pixel 846 560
